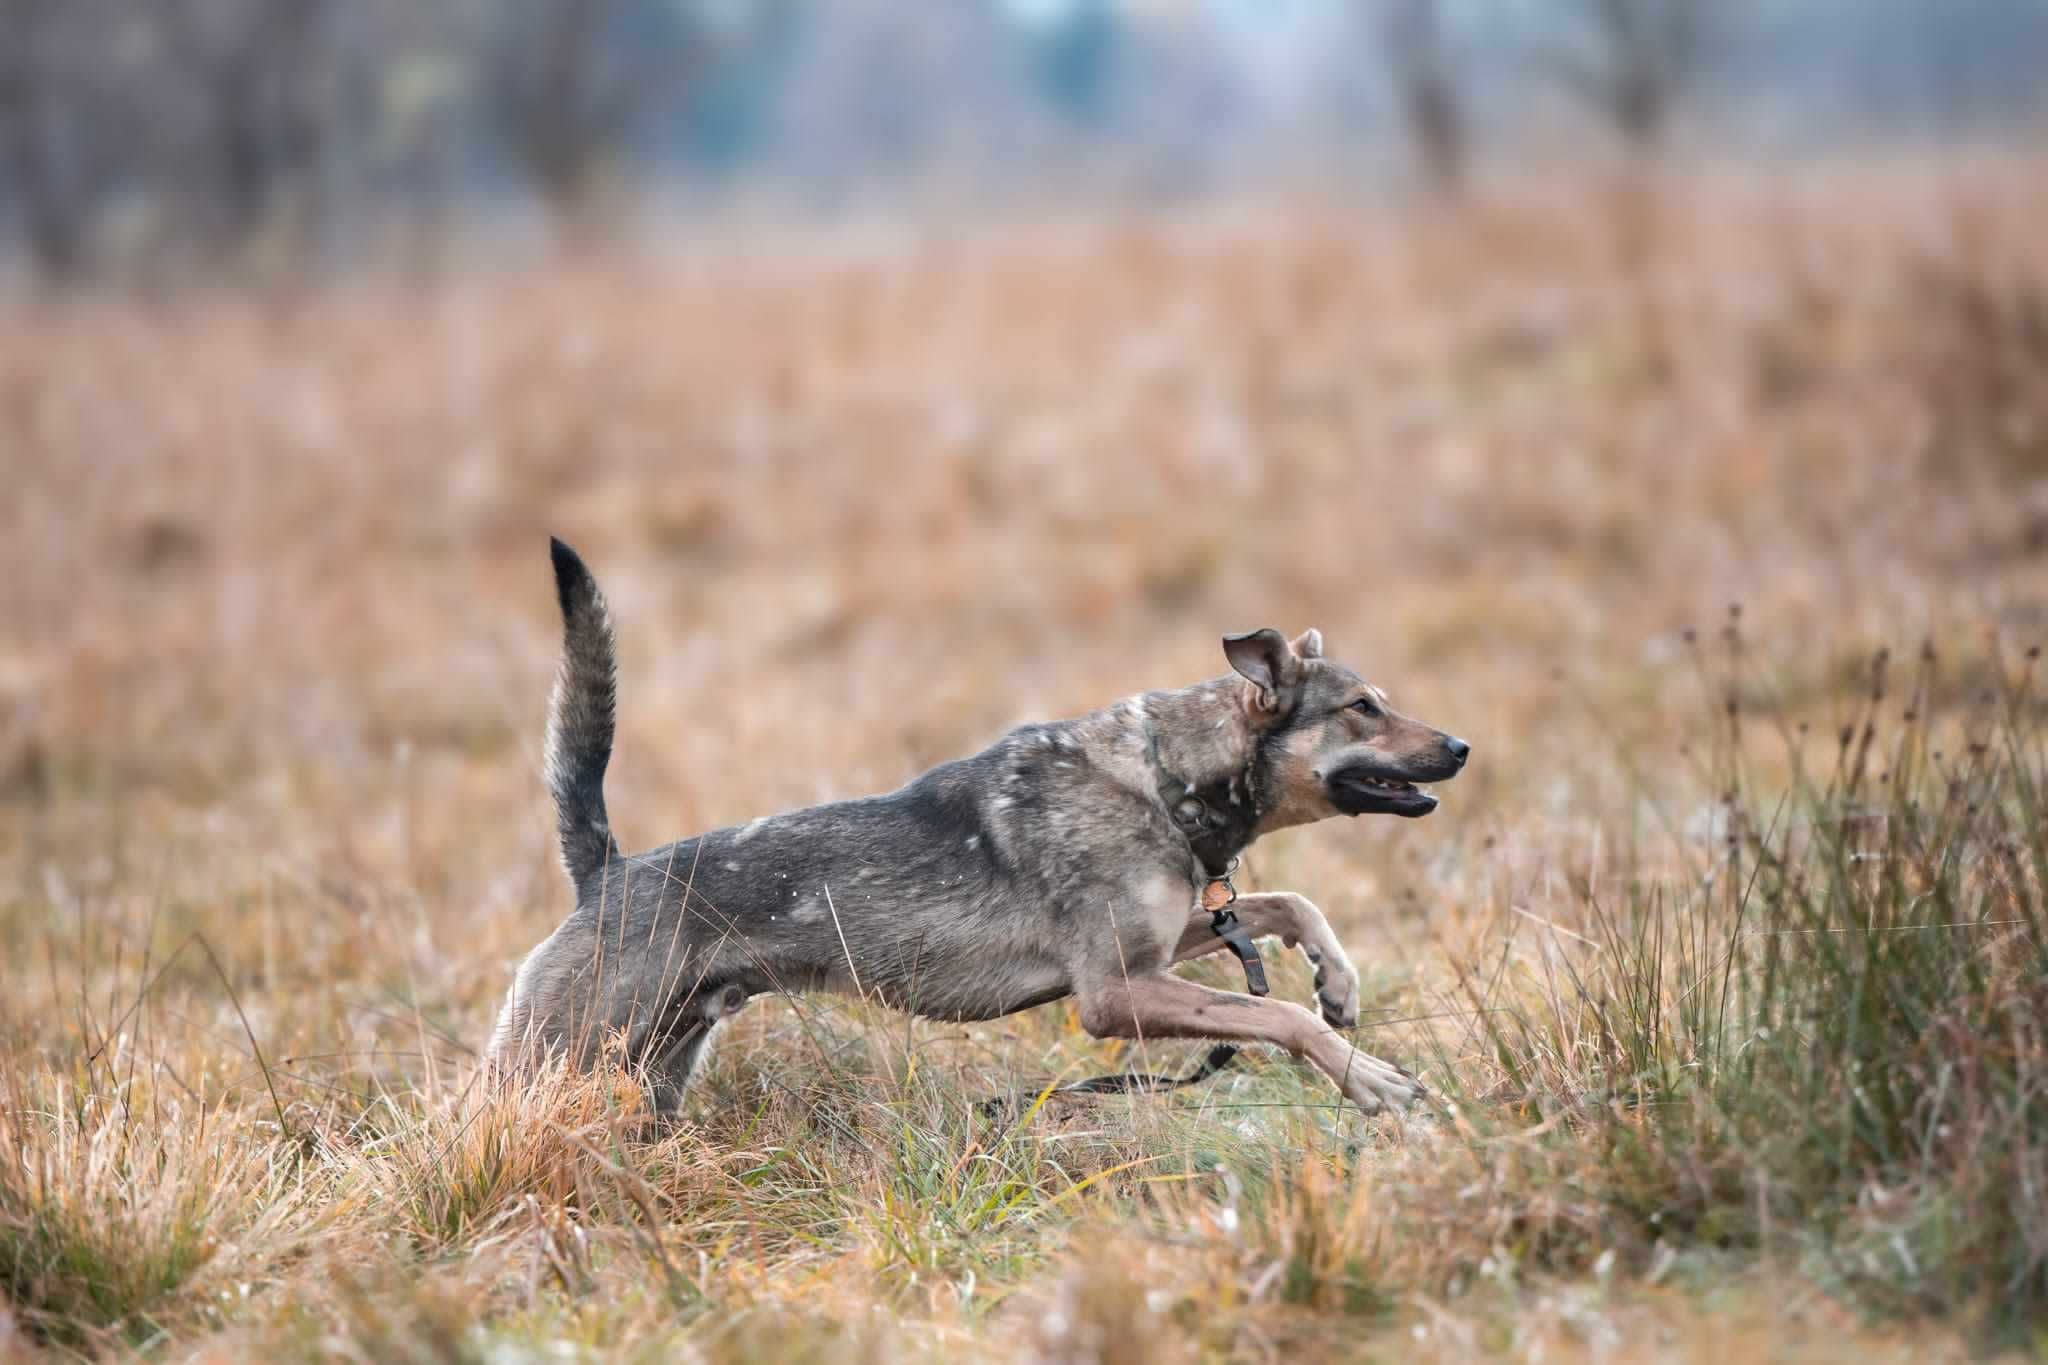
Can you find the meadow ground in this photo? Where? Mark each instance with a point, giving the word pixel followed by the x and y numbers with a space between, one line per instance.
pixel 1629 488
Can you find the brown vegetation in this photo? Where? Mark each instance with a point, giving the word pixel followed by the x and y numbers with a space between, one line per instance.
pixel 278 639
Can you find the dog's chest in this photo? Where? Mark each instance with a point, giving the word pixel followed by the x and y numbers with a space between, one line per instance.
pixel 1160 907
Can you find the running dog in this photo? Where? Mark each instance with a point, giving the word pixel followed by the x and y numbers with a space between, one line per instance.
pixel 1069 858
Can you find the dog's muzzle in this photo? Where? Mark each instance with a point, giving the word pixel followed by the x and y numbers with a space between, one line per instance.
pixel 1357 792
pixel 1370 789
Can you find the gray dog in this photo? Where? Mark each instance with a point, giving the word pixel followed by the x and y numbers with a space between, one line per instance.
pixel 1080 857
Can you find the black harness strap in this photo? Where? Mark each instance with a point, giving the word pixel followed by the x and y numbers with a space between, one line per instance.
pixel 1144 1083
pixel 1239 940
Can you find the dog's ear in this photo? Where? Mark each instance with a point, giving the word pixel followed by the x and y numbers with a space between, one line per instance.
pixel 1309 644
pixel 1264 659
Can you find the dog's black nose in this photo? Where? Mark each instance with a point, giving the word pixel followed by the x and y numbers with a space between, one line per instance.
pixel 1458 747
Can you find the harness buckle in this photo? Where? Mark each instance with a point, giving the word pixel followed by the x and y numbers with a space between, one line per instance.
pixel 1220 893
pixel 1225 925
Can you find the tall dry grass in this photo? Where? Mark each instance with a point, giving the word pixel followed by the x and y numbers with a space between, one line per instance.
pixel 277 645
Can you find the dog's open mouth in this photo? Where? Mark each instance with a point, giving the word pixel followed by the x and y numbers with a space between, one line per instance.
pixel 1357 792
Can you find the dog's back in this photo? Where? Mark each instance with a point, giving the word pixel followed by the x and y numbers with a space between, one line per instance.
pixel 944 898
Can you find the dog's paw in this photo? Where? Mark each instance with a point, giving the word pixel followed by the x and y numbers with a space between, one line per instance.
pixel 1376 1086
pixel 1337 992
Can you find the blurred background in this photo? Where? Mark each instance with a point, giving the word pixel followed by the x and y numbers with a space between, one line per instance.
pixel 1000 341
pixel 1608 379
pixel 284 136
pixel 910 368
pixel 1005 344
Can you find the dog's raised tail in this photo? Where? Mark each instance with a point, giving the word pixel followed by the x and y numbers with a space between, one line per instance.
pixel 580 720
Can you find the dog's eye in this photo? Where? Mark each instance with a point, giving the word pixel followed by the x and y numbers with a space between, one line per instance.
pixel 1366 706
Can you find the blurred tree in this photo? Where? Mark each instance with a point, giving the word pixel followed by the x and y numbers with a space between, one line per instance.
pixel 1633 61
pixel 265 71
pixel 565 95
pixel 577 82
pixel 51 178
pixel 414 121
pixel 1431 106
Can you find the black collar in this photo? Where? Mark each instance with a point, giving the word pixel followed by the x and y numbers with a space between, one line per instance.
pixel 1219 819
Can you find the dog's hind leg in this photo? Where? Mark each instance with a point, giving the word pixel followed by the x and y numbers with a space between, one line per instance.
pixel 1168 1007
pixel 1298 922
pixel 668 1062
pixel 667 1074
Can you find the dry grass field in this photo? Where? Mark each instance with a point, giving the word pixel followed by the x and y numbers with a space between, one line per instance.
pixel 1628 489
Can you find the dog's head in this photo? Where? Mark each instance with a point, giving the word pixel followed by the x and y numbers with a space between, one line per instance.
pixel 1329 743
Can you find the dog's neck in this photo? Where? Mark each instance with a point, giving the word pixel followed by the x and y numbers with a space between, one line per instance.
pixel 1203 749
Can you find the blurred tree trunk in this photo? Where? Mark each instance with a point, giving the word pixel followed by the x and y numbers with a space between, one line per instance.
pixel 43 172
pixel 570 88
pixel 1430 104
pixel 265 69
pixel 560 121
pixel 1635 61
pixel 267 97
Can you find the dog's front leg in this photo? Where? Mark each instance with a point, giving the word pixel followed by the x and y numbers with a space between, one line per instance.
pixel 1299 923
pixel 1168 1007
